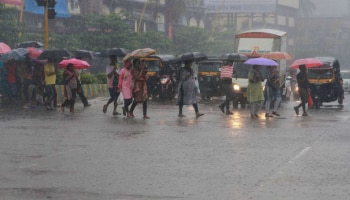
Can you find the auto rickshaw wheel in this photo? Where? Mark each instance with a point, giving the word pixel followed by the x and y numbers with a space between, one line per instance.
pixel 340 100
pixel 318 104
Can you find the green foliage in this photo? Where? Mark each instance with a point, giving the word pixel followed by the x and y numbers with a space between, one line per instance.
pixel 9 25
pixel 59 76
pixel 190 39
pixel 88 79
pixel 101 78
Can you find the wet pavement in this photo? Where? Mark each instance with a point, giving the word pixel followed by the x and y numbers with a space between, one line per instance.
pixel 90 155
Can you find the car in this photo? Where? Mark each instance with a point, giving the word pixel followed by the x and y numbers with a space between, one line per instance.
pixel 346 80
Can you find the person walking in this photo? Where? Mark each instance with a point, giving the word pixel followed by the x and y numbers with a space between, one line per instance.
pixel 255 94
pixel 80 90
pixel 112 82
pixel 12 80
pixel 304 90
pixel 226 85
pixel 125 87
pixel 70 87
pixel 187 91
pixel 272 92
pixel 50 81
pixel 139 74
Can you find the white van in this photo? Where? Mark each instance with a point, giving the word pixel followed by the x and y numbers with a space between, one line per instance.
pixel 346 80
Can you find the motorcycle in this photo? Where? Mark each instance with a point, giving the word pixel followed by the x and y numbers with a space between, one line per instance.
pixel 167 87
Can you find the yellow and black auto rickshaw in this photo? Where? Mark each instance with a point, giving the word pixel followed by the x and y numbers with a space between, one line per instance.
pixel 325 82
pixel 209 78
pixel 161 82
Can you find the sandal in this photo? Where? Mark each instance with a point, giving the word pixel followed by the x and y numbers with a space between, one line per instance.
pixel 116 113
pixel 104 109
pixel 199 114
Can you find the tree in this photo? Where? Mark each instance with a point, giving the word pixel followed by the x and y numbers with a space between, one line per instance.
pixel 90 6
pixel 9 25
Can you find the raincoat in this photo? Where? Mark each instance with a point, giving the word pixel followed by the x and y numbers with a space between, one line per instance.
pixel 187 87
pixel 125 83
pixel 254 90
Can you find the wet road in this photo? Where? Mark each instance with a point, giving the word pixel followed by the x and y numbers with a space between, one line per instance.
pixel 95 156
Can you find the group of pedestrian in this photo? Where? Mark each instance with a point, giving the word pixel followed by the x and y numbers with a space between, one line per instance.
pixel 18 78
pixel 130 82
pixel 259 97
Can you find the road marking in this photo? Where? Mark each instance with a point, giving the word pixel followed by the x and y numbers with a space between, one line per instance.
pixel 300 154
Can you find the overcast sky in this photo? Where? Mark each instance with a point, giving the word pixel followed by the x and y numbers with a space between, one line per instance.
pixel 329 8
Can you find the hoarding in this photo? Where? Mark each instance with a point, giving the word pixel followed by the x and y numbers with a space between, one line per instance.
pixel 61 8
pixel 12 2
pixel 240 6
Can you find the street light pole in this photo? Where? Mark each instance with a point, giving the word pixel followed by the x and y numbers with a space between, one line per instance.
pixel 46 26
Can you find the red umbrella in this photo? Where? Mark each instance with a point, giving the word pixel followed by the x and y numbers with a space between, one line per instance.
pixel 78 64
pixel 4 48
pixel 308 62
pixel 34 52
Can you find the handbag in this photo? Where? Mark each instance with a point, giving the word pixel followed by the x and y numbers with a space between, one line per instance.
pixel 310 102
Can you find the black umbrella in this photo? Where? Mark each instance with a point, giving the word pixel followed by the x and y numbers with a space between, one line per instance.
pixel 233 57
pixel 35 44
pixel 119 52
pixel 194 56
pixel 55 54
pixel 84 54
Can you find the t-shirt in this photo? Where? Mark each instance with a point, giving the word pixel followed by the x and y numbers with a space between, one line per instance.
pixel 49 80
pixel 109 69
pixel 11 73
pixel 226 71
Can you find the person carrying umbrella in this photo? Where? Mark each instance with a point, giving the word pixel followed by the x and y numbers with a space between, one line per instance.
pixel 226 84
pixel 255 94
pixel 304 88
pixel 70 87
pixel 187 89
pixel 139 74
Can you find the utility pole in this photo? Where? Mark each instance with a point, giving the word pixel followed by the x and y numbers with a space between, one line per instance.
pixel 49 13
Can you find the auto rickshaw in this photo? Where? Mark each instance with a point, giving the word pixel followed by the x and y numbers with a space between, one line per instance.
pixel 325 82
pixel 161 82
pixel 209 78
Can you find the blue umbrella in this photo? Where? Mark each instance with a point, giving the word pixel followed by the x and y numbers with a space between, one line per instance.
pixel 261 61
pixel 15 54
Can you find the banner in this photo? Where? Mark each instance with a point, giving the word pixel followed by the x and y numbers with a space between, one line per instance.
pixel 61 8
pixel 12 2
pixel 240 6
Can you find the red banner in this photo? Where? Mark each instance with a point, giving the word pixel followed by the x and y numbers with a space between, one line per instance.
pixel 12 2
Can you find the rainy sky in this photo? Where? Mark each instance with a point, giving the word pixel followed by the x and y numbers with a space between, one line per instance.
pixel 328 8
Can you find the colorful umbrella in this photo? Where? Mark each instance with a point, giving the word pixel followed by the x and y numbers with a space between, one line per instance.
pixel 194 56
pixel 77 63
pixel 4 48
pixel 15 54
pixel 261 61
pixel 277 55
pixel 34 53
pixel 308 62
pixel 140 53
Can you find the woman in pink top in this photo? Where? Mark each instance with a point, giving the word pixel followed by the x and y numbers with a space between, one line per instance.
pixel 125 86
